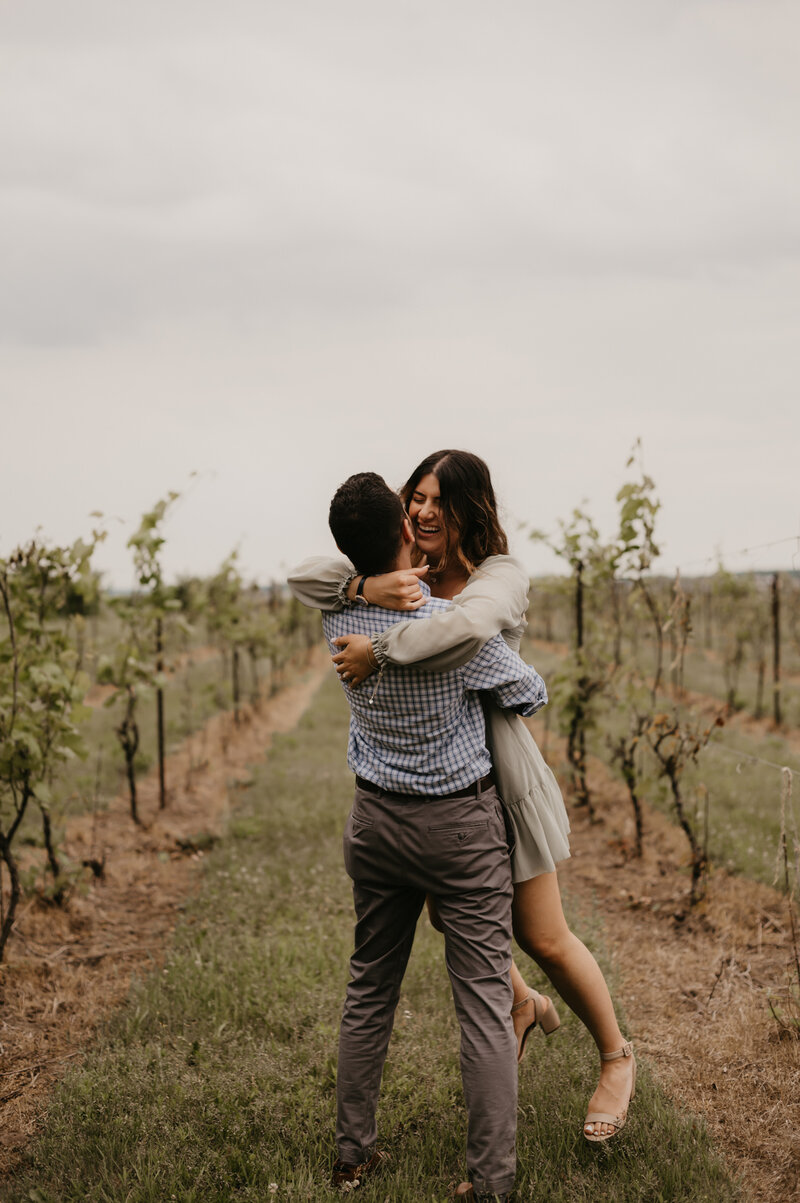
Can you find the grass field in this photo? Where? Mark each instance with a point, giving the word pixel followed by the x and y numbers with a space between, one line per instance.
pixel 216 1081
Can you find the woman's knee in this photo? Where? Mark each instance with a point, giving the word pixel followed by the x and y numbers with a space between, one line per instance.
pixel 539 924
pixel 547 947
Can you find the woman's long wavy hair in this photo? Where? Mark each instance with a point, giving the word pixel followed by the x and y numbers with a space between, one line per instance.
pixel 468 506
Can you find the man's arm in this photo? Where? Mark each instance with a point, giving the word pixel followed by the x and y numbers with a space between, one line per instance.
pixel 513 684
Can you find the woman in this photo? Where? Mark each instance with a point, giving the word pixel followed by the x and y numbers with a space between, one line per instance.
pixel 451 504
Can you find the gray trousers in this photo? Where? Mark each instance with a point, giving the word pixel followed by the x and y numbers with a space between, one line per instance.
pixel 397 849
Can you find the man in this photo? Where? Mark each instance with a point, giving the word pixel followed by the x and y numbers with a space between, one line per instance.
pixel 425 820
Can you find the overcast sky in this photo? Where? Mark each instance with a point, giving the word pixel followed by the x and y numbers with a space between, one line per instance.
pixel 277 242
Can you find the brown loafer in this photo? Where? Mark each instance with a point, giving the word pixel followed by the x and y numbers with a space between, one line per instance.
pixel 343 1173
pixel 466 1191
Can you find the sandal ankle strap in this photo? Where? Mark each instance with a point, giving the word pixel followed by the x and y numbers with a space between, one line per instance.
pixel 523 1002
pixel 625 1051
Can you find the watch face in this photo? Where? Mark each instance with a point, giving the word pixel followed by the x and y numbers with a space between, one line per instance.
pixel 361 600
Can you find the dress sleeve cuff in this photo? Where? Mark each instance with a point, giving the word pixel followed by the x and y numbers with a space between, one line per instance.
pixel 341 592
pixel 379 648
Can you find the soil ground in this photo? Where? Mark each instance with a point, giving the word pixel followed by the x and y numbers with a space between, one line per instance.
pixel 693 986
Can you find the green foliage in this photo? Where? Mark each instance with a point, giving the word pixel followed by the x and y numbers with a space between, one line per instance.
pixel 577 689
pixel 128 664
pixel 190 595
pixel 41 688
pixel 579 543
pixel 610 687
pixel 245 620
pixel 142 614
pixel 130 672
pixel 595 671
pixel 143 618
pixel 637 517
pixel 580 685
pixel 146 544
pixel 224 604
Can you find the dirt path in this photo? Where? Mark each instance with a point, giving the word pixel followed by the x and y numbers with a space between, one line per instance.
pixel 695 986
pixel 66 968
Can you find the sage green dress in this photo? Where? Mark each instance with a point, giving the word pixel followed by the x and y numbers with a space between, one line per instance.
pixel 493 601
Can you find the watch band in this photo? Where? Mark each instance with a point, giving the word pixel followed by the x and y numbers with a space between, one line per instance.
pixel 360 592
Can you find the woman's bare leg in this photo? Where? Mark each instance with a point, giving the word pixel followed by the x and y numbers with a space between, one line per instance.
pixel 521 991
pixel 433 913
pixel 541 930
pixel 529 1008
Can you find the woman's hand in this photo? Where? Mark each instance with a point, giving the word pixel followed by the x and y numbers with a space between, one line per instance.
pixel 393 590
pixel 356 660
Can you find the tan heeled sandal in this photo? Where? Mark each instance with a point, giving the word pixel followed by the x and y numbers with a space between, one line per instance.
pixel 600 1117
pixel 544 1013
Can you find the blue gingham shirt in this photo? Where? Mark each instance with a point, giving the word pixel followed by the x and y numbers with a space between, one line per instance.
pixel 416 732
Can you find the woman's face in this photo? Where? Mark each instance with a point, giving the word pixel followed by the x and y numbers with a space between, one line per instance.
pixel 425 513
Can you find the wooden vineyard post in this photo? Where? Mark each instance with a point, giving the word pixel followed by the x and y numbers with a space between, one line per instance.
pixel 235 684
pixel 579 604
pixel 162 789
pixel 576 739
pixel 776 649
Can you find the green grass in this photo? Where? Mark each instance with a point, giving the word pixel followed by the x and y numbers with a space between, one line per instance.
pixel 705 673
pixel 217 1079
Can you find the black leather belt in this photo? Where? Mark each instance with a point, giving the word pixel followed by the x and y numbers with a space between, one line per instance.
pixel 469 791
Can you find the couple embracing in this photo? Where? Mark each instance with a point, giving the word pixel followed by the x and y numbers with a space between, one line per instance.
pixel 453 802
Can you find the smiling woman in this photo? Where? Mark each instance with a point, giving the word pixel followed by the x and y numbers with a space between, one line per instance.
pixel 453 510
pixel 424 510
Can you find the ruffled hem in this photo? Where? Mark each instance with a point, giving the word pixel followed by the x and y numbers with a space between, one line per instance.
pixel 536 814
pixel 539 826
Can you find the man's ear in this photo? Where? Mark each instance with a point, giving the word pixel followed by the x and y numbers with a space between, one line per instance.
pixel 408 531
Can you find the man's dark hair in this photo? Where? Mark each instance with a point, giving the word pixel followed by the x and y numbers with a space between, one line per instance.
pixel 366 520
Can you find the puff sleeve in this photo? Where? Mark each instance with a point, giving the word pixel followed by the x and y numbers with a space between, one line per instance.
pixel 494 600
pixel 320 582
